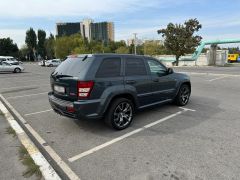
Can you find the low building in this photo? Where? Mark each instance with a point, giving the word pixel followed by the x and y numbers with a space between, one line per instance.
pixel 131 42
pixel 159 42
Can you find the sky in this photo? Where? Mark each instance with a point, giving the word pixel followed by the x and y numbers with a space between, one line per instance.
pixel 220 19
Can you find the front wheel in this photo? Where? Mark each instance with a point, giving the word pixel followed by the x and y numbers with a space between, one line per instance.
pixel 17 70
pixel 183 95
pixel 120 114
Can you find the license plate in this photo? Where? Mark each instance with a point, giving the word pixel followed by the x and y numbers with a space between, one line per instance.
pixel 59 89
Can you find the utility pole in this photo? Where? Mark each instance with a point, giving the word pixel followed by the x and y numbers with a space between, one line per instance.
pixel 135 43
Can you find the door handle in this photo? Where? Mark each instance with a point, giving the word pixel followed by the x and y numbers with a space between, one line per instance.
pixel 130 81
pixel 155 80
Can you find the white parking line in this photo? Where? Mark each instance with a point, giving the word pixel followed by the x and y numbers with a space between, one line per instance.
pixel 17 87
pixel 46 169
pixel 217 78
pixel 39 112
pixel 212 74
pixel 44 145
pixel 27 95
pixel 95 149
pixel 187 109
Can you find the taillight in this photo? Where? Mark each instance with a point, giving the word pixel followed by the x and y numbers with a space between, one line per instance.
pixel 84 88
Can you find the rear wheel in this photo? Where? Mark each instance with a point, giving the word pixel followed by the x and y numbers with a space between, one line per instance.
pixel 183 95
pixel 17 70
pixel 50 65
pixel 120 114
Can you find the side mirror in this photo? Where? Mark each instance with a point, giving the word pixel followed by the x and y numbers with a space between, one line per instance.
pixel 169 70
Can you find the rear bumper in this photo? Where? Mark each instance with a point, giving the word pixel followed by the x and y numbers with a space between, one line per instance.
pixel 83 109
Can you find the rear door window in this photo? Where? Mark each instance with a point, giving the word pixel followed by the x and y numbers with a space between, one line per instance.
pixel 110 67
pixel 135 67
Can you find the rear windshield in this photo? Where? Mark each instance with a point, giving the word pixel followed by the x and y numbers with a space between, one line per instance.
pixel 73 66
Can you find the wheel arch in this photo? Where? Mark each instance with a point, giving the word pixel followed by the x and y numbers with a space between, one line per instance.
pixel 15 69
pixel 182 83
pixel 128 96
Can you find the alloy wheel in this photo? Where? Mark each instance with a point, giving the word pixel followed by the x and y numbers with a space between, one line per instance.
pixel 184 94
pixel 123 114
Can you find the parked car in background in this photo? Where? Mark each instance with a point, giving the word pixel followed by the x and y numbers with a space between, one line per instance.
pixel 10 60
pixel 233 58
pixel 112 87
pixel 53 62
pixel 7 67
pixel 50 63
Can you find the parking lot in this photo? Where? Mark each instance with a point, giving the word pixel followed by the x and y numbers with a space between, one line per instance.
pixel 199 141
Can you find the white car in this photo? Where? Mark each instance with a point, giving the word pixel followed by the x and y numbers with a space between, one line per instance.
pixel 7 67
pixel 10 60
pixel 50 63
pixel 53 62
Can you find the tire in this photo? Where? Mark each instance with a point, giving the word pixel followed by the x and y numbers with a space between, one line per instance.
pixel 120 114
pixel 17 70
pixel 183 95
pixel 50 65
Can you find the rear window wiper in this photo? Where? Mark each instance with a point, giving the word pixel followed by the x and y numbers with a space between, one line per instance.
pixel 60 76
pixel 85 57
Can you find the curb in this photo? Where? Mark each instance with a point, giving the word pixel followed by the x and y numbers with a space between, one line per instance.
pixel 37 144
pixel 46 169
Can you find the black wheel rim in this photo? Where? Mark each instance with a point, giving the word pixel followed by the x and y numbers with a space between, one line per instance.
pixel 123 114
pixel 184 95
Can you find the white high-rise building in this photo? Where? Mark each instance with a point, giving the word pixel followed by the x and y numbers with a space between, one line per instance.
pixel 87 28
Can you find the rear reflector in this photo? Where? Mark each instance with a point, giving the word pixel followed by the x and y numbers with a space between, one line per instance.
pixel 84 88
pixel 70 109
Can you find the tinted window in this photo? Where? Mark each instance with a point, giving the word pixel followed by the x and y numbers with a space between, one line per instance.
pixel 156 68
pixel 73 66
pixel 135 66
pixel 110 67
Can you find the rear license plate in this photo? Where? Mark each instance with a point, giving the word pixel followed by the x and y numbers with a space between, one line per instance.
pixel 59 89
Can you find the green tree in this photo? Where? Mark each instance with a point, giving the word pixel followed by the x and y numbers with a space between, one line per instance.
pixel 122 50
pixel 41 34
pixel 8 48
pixel 31 42
pixel 153 48
pixel 23 53
pixel 50 47
pixel 180 38
pixel 113 46
pixel 67 45
pixel 96 46
pixel 107 49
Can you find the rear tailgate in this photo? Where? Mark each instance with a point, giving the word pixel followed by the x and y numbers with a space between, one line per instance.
pixel 64 87
pixel 64 79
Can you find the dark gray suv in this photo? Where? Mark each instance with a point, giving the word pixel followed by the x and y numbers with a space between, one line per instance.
pixel 113 87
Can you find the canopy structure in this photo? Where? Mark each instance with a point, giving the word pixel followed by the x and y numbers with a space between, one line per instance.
pixel 199 49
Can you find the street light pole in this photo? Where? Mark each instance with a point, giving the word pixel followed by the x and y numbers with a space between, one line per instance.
pixel 135 43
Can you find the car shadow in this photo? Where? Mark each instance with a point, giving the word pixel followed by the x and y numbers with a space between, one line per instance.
pixel 205 109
